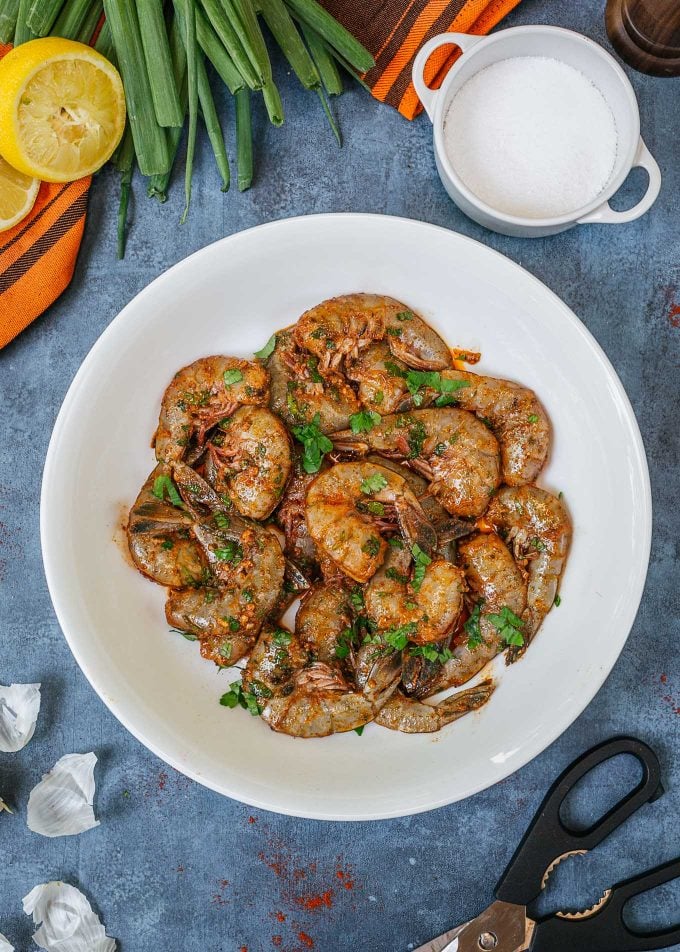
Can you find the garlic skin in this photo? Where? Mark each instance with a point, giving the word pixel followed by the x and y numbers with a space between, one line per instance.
pixel 19 707
pixel 61 804
pixel 66 920
pixel 5 944
pixel 4 807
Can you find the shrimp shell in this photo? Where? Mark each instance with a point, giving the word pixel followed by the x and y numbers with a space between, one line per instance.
pixel 414 717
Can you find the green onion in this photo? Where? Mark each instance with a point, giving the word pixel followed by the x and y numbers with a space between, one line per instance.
pixel 251 34
pixel 89 24
pixel 223 63
pixel 104 43
pixel 41 15
pixel 349 69
pixel 282 27
pixel 273 104
pixel 244 140
pixel 151 145
pixel 125 163
pixel 340 39
pixel 72 16
pixel 189 7
pixel 8 20
pixel 329 115
pixel 158 184
pixel 224 29
pixel 325 64
pixel 23 33
pixel 154 34
pixel 212 124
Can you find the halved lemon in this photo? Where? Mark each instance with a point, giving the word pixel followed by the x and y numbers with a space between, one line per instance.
pixel 62 109
pixel 18 193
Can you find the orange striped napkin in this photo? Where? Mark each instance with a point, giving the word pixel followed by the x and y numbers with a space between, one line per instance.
pixel 394 30
pixel 37 256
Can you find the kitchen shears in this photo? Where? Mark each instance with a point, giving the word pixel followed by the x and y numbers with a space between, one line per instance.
pixel 505 925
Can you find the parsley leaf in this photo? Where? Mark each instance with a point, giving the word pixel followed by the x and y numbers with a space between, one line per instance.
pixel 168 544
pixel 533 418
pixel 398 638
pixel 508 626
pixel 163 486
pixel 371 546
pixel 232 376
pixel 471 626
pixel 316 444
pixel 282 638
pixel 374 483
pixel 432 653
pixel 357 599
pixel 405 316
pixel 222 520
pixel 364 421
pixel 189 635
pixel 313 368
pixel 558 601
pixel 249 700
pixel 268 348
pixel 359 730
pixel 230 552
pixel 422 560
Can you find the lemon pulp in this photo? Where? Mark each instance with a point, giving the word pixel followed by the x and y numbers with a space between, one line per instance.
pixel 18 193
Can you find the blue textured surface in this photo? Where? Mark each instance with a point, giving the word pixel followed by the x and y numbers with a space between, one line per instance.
pixel 174 866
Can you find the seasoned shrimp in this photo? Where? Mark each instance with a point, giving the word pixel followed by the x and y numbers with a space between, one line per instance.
pixel 202 394
pixel 344 506
pixel 427 610
pixel 274 662
pixel 322 702
pixel 413 717
pixel 344 325
pixel 249 460
pixel 538 527
pixel 300 392
pixel 159 537
pixel 516 416
pixel 450 447
pixel 290 518
pixel 323 617
pixel 380 376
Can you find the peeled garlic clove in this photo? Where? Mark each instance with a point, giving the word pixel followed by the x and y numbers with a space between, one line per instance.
pixel 5 944
pixel 66 919
pixel 3 806
pixel 61 804
pixel 19 706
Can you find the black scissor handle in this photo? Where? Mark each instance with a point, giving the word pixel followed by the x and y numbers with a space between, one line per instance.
pixel 548 838
pixel 605 930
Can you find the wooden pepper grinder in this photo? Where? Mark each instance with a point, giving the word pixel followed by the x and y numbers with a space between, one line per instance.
pixel 646 34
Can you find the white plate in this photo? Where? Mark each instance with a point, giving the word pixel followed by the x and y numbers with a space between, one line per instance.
pixel 229 298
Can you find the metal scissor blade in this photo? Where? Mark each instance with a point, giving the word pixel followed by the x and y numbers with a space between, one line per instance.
pixel 444 943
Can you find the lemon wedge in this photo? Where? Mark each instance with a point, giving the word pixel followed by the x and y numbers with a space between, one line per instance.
pixel 18 193
pixel 62 109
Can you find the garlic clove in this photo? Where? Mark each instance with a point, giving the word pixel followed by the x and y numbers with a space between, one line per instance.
pixel 66 920
pixel 19 706
pixel 61 804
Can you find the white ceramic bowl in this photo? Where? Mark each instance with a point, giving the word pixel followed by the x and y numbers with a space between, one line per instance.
pixel 578 51
pixel 229 298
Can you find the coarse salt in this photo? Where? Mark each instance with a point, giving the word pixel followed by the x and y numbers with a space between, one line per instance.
pixel 532 137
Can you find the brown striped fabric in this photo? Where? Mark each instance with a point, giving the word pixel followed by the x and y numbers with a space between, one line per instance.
pixel 394 30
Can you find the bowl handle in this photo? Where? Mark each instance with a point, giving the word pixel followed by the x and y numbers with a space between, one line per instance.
pixel 606 215
pixel 427 96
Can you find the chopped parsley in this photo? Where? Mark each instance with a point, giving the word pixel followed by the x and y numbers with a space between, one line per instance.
pixel 344 643
pixel 236 696
pixel 421 560
pixel 558 600
pixel 313 368
pixel 378 396
pixel 189 635
pixel 316 444
pixel 374 483
pixel 398 638
pixel 230 552
pixel 396 576
pixel 268 348
pixel 233 623
pixel 432 653
pixel 364 421
pixel 395 542
pixel 357 599
pixel 168 544
pixel 471 626
pixel 371 546
pixel 282 638
pixel 394 331
pixel 246 595
pixel 432 379
pixel 405 316
pixel 163 486
pixel 359 730
pixel 231 377
pixel 415 439
pixel 508 626
pixel 537 544
pixel 225 650
pixel 222 521
pixel 375 508
pixel 533 418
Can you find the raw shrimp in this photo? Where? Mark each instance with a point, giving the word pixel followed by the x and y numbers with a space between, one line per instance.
pixel 537 526
pixel 516 416
pixel 323 617
pixel 274 662
pixel 299 391
pixel 249 459
pixel 159 537
pixel 290 517
pixel 344 325
pixel 414 717
pixel 380 376
pixel 202 394
pixel 450 447
pixel 322 702
pixel 429 610
pixel 350 537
